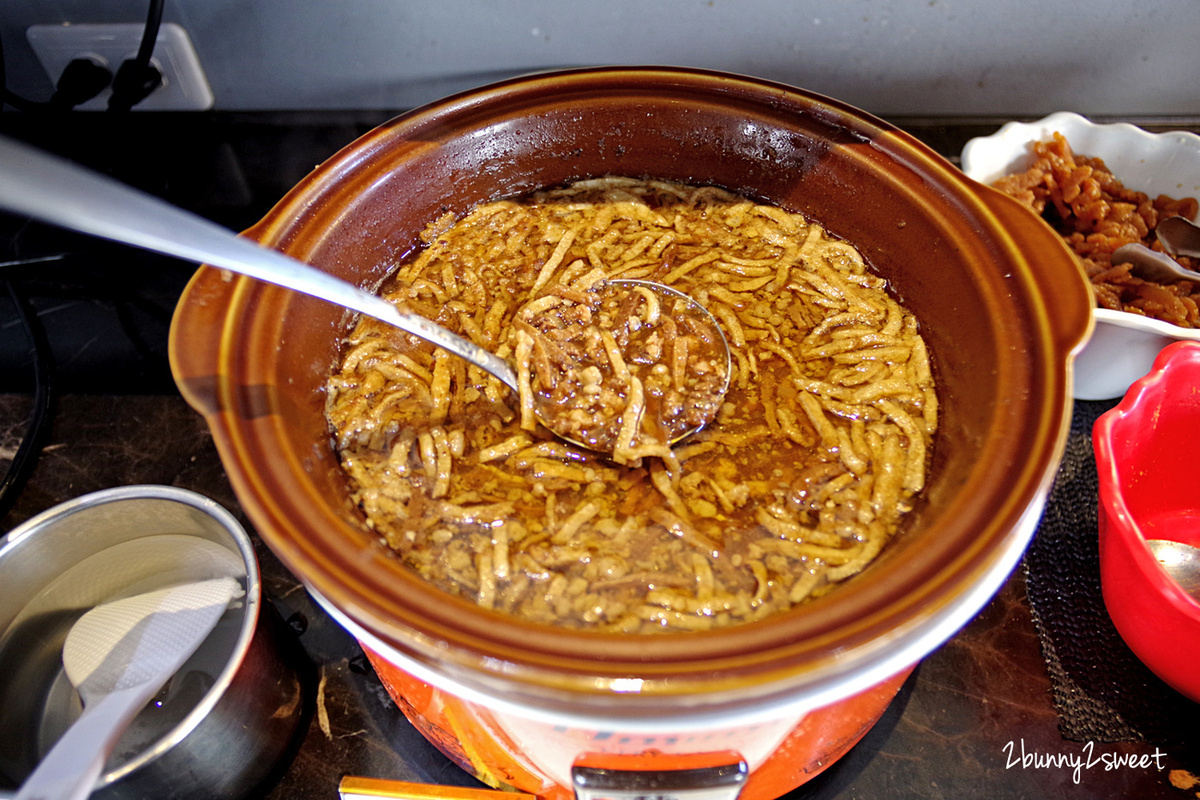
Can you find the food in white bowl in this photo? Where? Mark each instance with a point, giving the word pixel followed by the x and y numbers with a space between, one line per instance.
pixel 1124 344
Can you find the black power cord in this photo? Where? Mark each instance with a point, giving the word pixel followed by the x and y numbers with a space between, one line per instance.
pixel 23 462
pixel 137 78
pixel 82 79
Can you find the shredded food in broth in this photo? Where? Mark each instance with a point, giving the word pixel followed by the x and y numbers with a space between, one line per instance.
pixel 805 474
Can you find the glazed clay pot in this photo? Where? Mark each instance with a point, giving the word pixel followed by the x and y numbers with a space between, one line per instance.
pixel 1001 303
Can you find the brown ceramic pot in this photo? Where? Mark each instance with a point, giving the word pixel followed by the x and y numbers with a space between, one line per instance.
pixel 1001 302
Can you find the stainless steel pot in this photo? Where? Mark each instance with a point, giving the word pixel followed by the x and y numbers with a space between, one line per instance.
pixel 217 731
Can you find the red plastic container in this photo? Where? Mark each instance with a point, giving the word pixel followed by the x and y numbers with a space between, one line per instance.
pixel 1148 458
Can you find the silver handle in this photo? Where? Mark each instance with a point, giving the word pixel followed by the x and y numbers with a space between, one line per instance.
pixel 720 782
pixel 53 190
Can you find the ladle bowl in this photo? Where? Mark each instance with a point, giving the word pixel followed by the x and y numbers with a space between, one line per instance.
pixel 601 435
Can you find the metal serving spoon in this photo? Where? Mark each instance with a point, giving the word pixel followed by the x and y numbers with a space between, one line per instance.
pixel 1181 562
pixel 118 655
pixel 56 191
pixel 1179 237
pixel 1151 265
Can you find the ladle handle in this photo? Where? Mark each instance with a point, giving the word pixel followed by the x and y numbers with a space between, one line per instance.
pixel 53 190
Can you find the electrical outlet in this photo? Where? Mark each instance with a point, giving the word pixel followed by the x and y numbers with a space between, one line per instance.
pixel 184 86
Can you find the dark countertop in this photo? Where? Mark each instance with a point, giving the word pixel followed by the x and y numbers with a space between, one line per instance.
pixel 957 729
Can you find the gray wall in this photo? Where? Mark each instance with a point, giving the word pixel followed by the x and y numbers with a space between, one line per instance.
pixel 890 57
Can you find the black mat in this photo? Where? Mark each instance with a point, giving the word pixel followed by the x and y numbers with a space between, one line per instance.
pixel 1101 690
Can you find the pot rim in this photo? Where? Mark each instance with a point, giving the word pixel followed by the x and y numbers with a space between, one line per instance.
pixel 716 663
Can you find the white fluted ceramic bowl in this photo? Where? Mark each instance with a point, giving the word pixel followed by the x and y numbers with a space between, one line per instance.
pixel 1123 345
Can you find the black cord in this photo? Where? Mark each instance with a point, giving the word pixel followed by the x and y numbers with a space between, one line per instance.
pixel 137 78
pixel 81 80
pixel 43 396
pixel 150 34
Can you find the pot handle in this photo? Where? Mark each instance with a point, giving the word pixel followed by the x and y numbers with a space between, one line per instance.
pixel 1068 293
pixel 708 776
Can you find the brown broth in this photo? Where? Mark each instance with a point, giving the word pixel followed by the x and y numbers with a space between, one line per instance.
pixel 805 474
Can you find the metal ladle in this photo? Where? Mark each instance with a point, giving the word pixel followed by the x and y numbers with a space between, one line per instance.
pixel 53 190
pixel 1180 561
pixel 56 191
pixel 1179 236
